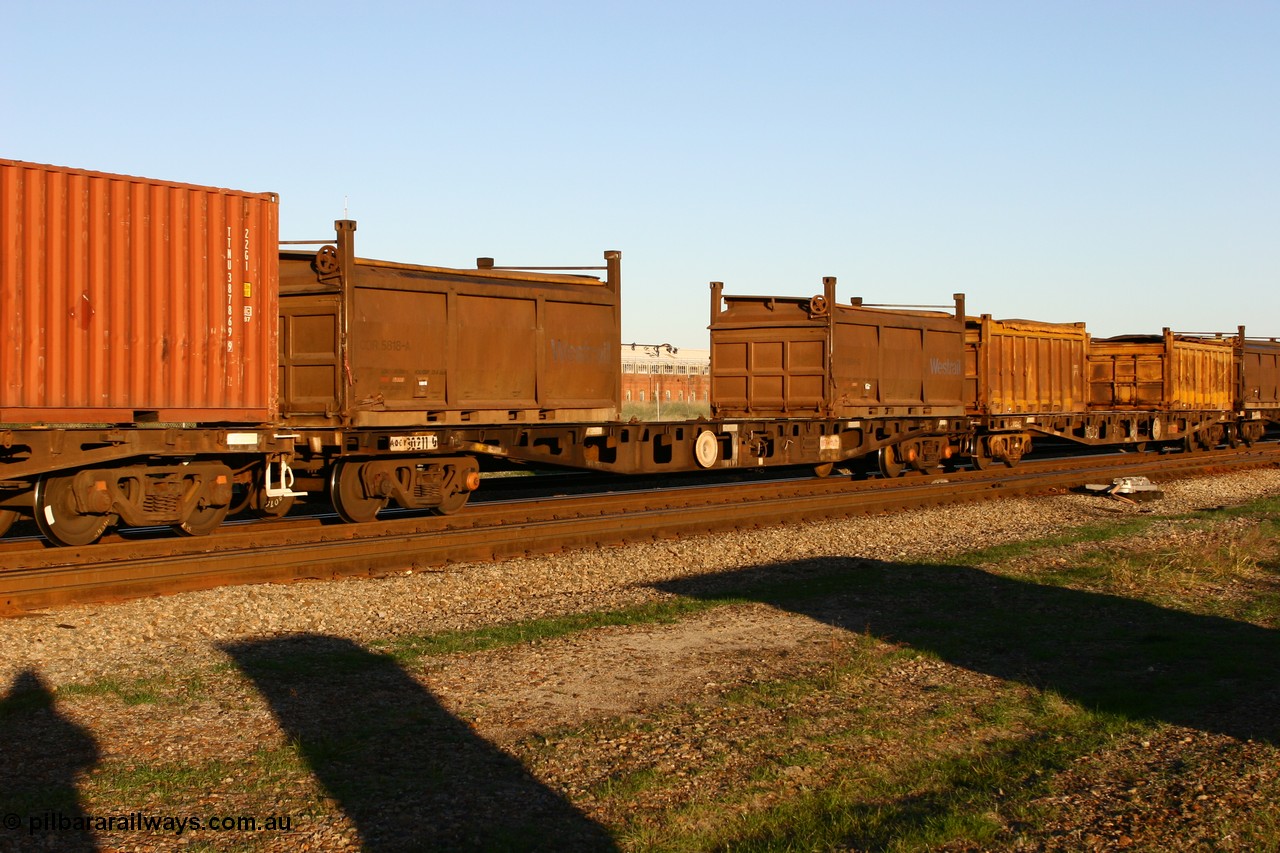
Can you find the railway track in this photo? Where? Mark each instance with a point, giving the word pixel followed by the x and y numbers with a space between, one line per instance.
pixel 33 576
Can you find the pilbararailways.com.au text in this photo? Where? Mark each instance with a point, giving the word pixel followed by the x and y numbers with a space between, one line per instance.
pixel 54 821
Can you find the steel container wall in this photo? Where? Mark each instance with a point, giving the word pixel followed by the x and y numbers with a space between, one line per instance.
pixel 1166 373
pixel 376 343
pixel 1259 373
pixel 768 358
pixel 126 299
pixel 1024 366
pixel 795 357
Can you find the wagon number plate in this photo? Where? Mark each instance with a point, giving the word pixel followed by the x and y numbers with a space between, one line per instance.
pixel 414 442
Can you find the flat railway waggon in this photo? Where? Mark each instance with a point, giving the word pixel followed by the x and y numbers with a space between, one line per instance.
pixel 167 361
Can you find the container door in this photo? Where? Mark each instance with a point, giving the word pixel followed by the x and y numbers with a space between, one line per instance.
pixel 309 363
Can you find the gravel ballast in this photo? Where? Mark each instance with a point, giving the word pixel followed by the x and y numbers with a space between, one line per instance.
pixel 80 644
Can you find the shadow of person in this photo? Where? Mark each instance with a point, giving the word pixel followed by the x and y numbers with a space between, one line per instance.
pixel 1107 652
pixel 42 755
pixel 409 774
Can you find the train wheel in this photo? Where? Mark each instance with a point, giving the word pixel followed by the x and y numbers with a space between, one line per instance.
pixel 265 507
pixel 982 461
pixel 451 504
pixel 347 493
pixel 887 459
pixel 461 478
pixel 59 519
pixel 1190 444
pixel 824 470
pixel 7 518
pixel 203 521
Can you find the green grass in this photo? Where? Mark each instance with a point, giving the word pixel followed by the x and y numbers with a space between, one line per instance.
pixel 147 690
pixel 1212 552
pixel 966 796
pixel 409 648
pixel 166 782
pixel 627 784
pixel 1071 536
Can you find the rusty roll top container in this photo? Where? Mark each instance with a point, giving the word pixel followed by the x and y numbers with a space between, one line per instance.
pixel 1258 384
pixel 1025 366
pixel 126 299
pixel 1166 373
pixel 793 357
pixel 1259 360
pixel 367 343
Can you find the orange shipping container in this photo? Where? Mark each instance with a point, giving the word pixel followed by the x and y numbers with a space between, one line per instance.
pixel 124 299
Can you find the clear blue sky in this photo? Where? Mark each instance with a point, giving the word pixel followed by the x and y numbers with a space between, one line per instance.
pixel 1113 162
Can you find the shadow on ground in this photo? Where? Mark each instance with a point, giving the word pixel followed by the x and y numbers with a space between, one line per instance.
pixel 409 774
pixel 1108 653
pixel 42 758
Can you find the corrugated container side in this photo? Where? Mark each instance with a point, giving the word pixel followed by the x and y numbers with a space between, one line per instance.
pixel 1023 366
pixel 1161 374
pixel 124 298
pixel 1203 375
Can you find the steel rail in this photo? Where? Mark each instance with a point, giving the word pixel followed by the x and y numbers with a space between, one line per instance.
pixel 298 549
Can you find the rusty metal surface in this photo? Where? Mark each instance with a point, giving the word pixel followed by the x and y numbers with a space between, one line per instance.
pixel 1161 373
pixel 287 551
pixel 379 344
pixel 803 357
pixel 1025 367
pixel 640 447
pixel 1259 373
pixel 36 451
pixel 128 299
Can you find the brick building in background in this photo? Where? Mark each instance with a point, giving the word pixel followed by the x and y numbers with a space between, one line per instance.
pixel 661 373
